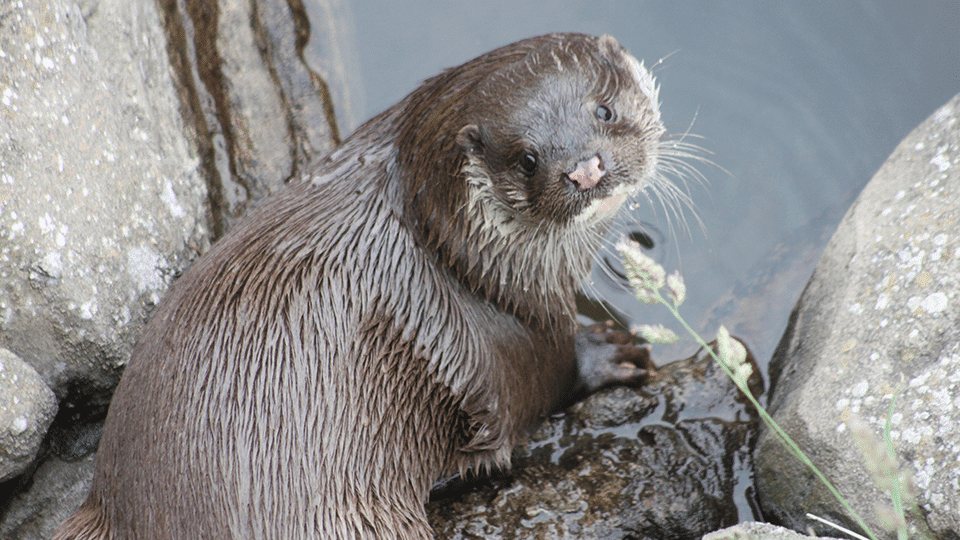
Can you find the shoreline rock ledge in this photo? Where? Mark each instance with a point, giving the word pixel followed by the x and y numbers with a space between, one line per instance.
pixel 878 324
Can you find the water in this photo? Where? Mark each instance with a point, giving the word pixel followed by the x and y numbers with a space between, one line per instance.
pixel 798 102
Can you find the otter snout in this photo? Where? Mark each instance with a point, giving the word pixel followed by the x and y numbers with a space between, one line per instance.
pixel 587 173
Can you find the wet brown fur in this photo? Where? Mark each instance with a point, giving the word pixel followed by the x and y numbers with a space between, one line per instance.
pixel 368 329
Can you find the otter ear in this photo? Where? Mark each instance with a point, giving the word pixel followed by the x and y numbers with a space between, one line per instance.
pixel 470 140
pixel 610 43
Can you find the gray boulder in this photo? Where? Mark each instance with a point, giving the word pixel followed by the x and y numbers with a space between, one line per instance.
pixel 102 204
pixel 27 406
pixel 752 530
pixel 58 489
pixel 879 319
pixel 101 199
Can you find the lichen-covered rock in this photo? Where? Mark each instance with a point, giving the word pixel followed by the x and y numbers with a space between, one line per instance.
pixel 27 407
pixel 752 530
pixel 879 319
pixel 101 199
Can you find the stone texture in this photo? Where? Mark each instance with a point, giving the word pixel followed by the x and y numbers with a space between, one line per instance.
pixel 753 530
pixel 59 488
pixel 879 319
pixel 661 461
pixel 102 201
pixel 261 114
pixel 27 407
pixel 101 198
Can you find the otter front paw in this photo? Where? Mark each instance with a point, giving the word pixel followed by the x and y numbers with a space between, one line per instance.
pixel 607 357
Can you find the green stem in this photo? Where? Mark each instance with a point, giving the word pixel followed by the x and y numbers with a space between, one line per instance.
pixel 785 439
pixel 896 493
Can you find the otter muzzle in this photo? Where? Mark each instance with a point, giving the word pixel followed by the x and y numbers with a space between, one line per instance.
pixel 587 173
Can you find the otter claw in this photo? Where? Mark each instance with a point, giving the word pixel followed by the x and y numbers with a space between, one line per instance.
pixel 607 357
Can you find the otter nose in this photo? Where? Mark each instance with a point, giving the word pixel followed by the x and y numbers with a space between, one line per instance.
pixel 587 173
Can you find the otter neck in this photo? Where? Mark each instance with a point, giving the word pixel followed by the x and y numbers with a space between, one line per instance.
pixel 529 269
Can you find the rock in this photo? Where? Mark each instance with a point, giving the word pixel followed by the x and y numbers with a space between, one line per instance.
pixel 661 461
pixel 261 114
pixel 59 488
pixel 27 407
pixel 753 530
pixel 101 198
pixel 102 201
pixel 879 320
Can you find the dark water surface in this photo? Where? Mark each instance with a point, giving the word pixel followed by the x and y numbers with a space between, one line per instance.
pixel 799 103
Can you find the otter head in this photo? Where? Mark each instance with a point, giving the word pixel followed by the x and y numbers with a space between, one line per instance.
pixel 562 137
pixel 523 156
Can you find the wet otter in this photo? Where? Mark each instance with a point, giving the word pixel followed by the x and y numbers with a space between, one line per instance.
pixel 402 312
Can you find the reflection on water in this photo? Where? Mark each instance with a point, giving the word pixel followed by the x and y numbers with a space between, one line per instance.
pixel 798 103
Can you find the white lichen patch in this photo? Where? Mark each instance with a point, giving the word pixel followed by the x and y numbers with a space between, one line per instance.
pixel 7 97
pixel 89 309
pixel 935 303
pixel 941 162
pixel 52 265
pixel 931 401
pixel 46 223
pixel 917 290
pixel 169 198
pixel 143 266
pixel 924 424
pixel 18 426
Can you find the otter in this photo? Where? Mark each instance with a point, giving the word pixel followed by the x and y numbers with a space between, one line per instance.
pixel 403 312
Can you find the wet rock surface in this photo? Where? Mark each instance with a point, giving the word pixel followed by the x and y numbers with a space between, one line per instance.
pixel 660 461
pixel 879 319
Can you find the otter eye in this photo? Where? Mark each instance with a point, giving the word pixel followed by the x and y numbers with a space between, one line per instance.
pixel 528 163
pixel 604 113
